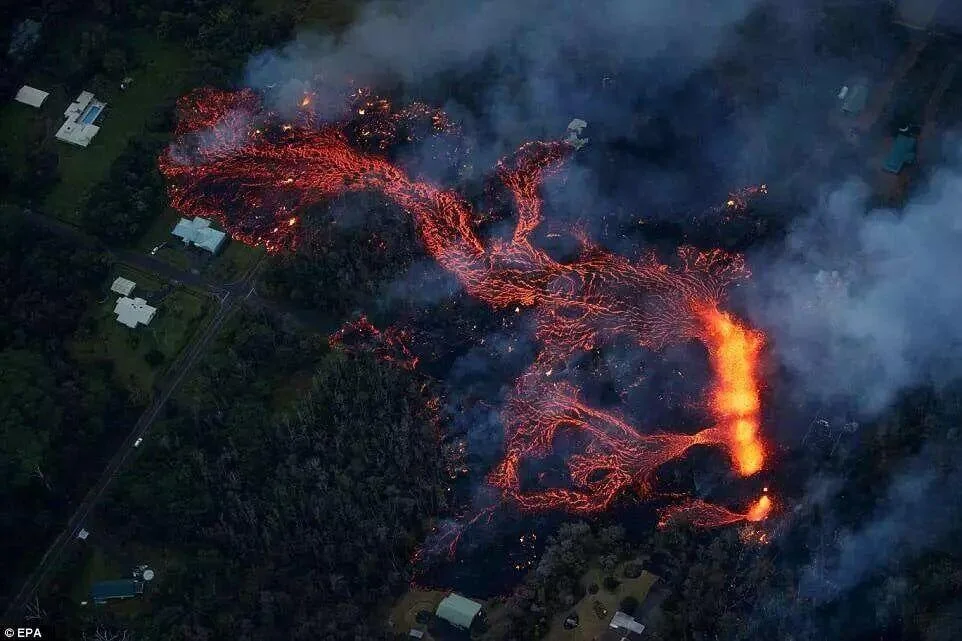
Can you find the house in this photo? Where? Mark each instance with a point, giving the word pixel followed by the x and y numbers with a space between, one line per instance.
pixel 853 97
pixel 104 591
pixel 78 127
pixel 133 311
pixel 902 154
pixel 623 628
pixel 199 233
pixel 573 133
pixel 458 611
pixel 123 286
pixel 30 96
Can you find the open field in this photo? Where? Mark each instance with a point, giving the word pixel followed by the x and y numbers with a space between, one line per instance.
pixel 179 312
pixel 160 71
pixel 404 613
pixel 590 625
pixel 228 265
pixel 103 558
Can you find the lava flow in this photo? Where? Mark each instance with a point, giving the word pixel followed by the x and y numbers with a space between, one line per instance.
pixel 253 173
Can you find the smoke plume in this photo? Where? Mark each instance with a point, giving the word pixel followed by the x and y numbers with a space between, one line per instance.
pixel 862 303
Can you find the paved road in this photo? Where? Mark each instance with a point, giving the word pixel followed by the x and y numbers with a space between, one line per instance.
pixel 138 259
pixel 229 296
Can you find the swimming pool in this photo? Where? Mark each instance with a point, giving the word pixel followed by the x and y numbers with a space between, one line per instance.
pixel 91 114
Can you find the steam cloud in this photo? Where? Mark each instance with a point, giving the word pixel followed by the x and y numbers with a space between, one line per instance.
pixel 862 304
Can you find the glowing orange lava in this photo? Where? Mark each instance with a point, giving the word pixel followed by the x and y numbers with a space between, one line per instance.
pixel 254 181
pixel 704 514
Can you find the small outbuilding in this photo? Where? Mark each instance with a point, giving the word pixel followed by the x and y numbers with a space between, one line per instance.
pixel 902 154
pixel 623 628
pixel 853 97
pixel 30 96
pixel 133 312
pixel 199 233
pixel 104 591
pixel 458 611
pixel 123 286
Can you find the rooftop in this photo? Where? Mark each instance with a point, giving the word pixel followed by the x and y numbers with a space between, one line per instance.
pixel 31 96
pixel 123 286
pixel 78 127
pixel 134 311
pixel 458 611
pixel 622 621
pixel 117 589
pixel 903 153
pixel 199 233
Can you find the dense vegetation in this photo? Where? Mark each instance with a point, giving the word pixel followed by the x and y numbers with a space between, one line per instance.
pixel 120 208
pixel 52 414
pixel 357 247
pixel 290 519
pixel 94 46
pixel 873 558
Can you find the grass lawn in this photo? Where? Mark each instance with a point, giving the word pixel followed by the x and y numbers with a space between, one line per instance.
pixel 105 559
pixel 405 611
pixel 233 261
pixel 228 265
pixel 590 626
pixel 97 566
pixel 179 311
pixel 158 233
pixel 162 72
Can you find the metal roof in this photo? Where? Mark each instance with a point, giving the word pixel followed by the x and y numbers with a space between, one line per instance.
pixel 123 286
pixel 117 589
pixel 903 153
pixel 198 232
pixel 134 311
pixel 31 96
pixel 458 611
pixel 624 622
pixel 855 98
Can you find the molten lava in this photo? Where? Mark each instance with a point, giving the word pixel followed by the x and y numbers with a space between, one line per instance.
pixel 236 163
pixel 705 514
pixel 389 345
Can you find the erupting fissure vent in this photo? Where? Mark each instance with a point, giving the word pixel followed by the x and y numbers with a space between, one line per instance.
pixel 253 173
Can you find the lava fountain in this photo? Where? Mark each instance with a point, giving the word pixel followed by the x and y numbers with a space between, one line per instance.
pixel 237 163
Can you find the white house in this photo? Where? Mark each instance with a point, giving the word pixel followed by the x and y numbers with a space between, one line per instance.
pixel 134 311
pixel 199 233
pixel 458 611
pixel 78 127
pixel 123 286
pixel 30 96
pixel 623 628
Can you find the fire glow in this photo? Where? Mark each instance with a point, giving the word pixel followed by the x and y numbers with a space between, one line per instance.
pixel 255 181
